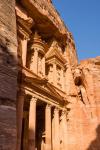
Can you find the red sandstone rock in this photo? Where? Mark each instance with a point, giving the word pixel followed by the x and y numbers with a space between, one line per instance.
pixel 82 82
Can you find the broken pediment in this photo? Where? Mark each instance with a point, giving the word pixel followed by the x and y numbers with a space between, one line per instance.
pixel 24 22
pixel 55 51
pixel 23 15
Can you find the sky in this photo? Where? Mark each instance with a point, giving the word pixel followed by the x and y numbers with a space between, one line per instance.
pixel 82 17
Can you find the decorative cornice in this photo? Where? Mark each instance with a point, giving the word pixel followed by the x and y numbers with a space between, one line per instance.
pixel 23 15
pixel 40 88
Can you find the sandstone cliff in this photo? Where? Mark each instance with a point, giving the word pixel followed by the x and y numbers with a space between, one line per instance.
pixel 84 114
pixel 8 75
pixel 82 81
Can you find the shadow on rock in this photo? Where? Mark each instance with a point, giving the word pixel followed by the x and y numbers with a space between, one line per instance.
pixel 95 145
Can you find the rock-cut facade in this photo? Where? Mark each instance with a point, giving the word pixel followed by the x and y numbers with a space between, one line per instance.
pixel 47 100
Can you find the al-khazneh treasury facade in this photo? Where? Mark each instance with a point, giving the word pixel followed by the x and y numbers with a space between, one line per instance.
pixel 47 100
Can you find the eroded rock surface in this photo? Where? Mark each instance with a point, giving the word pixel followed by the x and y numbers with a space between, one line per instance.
pixel 80 93
pixel 8 75
pixel 84 114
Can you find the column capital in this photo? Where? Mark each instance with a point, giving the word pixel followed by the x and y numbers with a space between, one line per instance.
pixel 34 99
pixel 56 109
pixel 64 112
pixel 26 37
pixel 48 106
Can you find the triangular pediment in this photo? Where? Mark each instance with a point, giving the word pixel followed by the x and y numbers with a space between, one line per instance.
pixel 43 86
pixel 55 51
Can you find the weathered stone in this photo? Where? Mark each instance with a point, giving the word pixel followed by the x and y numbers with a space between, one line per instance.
pixel 8 75
pixel 50 87
pixel 7 127
pixel 84 114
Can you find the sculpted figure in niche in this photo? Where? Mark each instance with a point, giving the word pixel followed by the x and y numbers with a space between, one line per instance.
pixel 50 73
pixel 40 65
pixel 58 76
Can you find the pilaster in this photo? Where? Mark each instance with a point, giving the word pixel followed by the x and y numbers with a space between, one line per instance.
pixel 20 103
pixel 24 50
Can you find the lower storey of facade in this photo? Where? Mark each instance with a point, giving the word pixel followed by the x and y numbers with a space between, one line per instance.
pixel 42 123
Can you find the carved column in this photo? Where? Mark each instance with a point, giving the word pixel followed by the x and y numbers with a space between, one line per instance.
pixel 54 74
pixel 20 102
pixel 56 141
pixel 38 47
pixel 32 123
pixel 64 130
pixel 34 61
pixel 48 127
pixel 24 51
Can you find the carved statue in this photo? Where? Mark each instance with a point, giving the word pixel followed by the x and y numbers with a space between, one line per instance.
pixel 40 64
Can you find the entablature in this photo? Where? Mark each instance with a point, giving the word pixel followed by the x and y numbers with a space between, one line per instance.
pixel 44 98
pixel 42 87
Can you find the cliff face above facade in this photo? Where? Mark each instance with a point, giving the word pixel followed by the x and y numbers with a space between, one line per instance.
pixel 48 12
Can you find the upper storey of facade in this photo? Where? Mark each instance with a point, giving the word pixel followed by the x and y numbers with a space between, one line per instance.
pixel 45 46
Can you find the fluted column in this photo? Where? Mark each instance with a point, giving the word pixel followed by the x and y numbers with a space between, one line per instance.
pixel 56 141
pixel 24 51
pixel 34 61
pixel 32 123
pixel 48 127
pixel 64 130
